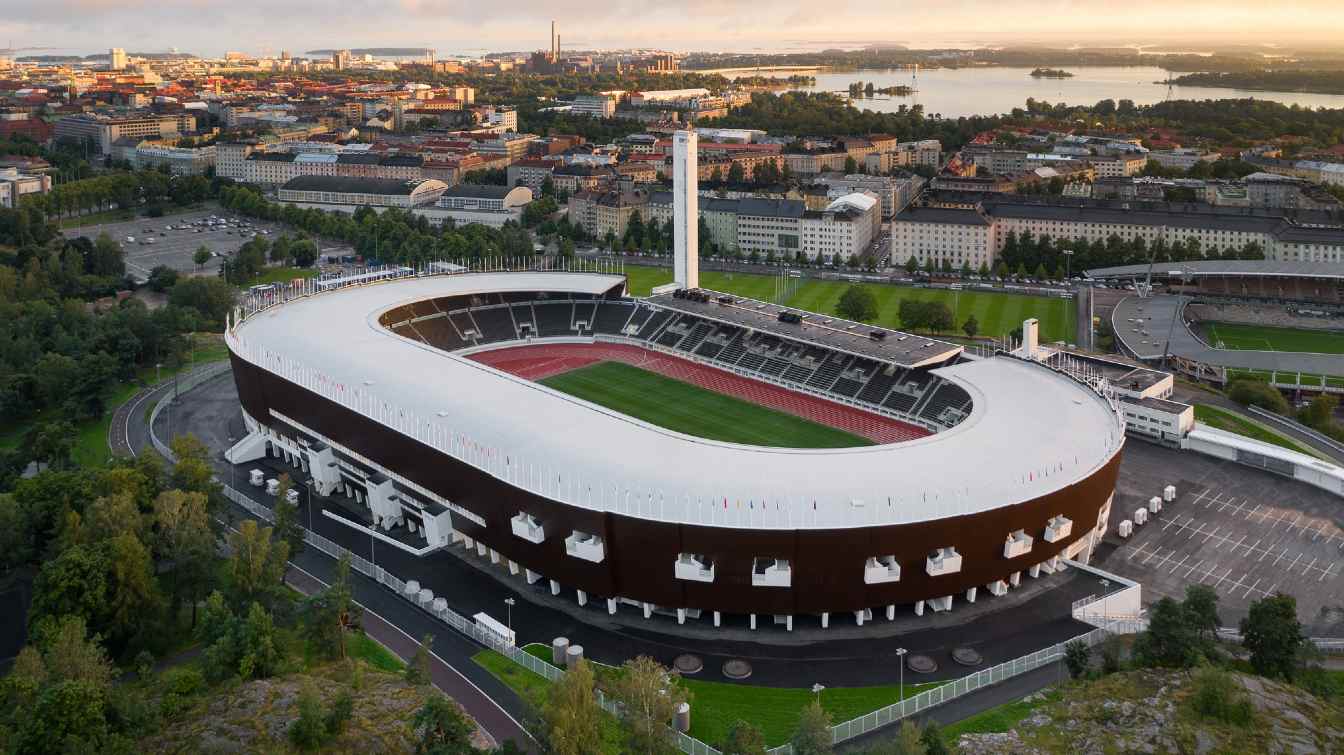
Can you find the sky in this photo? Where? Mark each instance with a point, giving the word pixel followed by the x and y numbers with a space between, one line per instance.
pixel 210 27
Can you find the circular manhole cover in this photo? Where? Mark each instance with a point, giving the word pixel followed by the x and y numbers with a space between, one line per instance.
pixel 967 656
pixel 736 669
pixel 688 664
pixel 921 664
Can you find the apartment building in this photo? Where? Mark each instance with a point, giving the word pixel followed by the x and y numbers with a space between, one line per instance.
pixel 1115 166
pixel 1287 192
pixel 531 173
pixel 842 229
pixel 935 234
pixel 594 105
pixel 1182 158
pixel 895 192
pixel 603 212
pixel 180 161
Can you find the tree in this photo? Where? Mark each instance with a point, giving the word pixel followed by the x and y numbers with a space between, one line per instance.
pixel 332 613
pixel 851 165
pixel 70 654
pixel 971 327
pixel 287 527
pixel 857 303
pixel 307 732
pixel 73 584
pixel 1077 657
pixel 571 715
pixel 259 654
pixel 256 563
pixel 743 739
pixel 185 540
pixel 1255 393
pixel 162 278
pixel 1201 606
pixel 911 265
pixel 202 255
pixel 939 317
pixel 737 175
pixel 813 735
pixel 418 670
pixel 211 297
pixel 1170 639
pixel 1273 634
pixel 649 697
pixel 441 729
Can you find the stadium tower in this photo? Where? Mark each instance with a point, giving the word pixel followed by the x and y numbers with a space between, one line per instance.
pixel 685 210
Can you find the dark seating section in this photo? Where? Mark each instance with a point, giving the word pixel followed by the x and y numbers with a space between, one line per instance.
pixel 457 322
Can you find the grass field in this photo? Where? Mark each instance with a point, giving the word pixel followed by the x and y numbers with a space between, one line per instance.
pixel 690 409
pixel 997 313
pixel 716 706
pixel 1265 338
pixel 1222 419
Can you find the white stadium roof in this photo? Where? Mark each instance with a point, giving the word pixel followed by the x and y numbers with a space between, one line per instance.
pixel 1031 430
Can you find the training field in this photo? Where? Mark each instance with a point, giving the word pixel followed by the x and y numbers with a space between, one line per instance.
pixel 997 313
pixel 692 410
pixel 1228 335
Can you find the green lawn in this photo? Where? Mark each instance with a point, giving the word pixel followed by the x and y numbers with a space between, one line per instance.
pixel 998 719
pixel 997 313
pixel 362 646
pixel 715 706
pixel 693 410
pixel 1222 419
pixel 1265 338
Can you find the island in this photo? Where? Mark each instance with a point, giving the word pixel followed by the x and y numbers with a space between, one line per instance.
pixel 867 89
pixel 1050 73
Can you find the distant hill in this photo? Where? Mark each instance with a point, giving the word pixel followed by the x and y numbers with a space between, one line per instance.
pixel 383 52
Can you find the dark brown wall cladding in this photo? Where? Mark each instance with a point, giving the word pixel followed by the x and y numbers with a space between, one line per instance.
pixel 827 564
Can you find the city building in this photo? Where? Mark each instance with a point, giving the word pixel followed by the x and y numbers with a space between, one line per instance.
pixel 348 194
pixel 896 192
pixel 482 204
pixel 1287 193
pixel 1181 158
pixel 607 212
pixel 595 105
pixel 934 235
pixel 1124 164
pixel 180 161
pixel 531 173
pixel 116 59
pixel 14 186
pixel 100 131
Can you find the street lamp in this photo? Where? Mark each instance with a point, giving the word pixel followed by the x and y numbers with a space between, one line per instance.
pixel 233 481
pixel 509 602
pixel 900 655
pixel 308 484
pixel 816 690
pixel 1105 593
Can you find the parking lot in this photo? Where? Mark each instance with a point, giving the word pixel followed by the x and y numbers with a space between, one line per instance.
pixel 1248 534
pixel 174 247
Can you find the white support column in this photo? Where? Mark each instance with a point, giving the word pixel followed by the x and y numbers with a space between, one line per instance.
pixel 970 594
pixel 468 543
pixel 494 556
pixel 858 617
pixel 716 618
pixel 648 610
pixel 555 587
pixel 480 548
pixel 1034 571
pixel 583 597
pixel 753 621
pixel 891 612
pixel 788 622
pixel 513 567
pixel 1015 579
pixel 532 576
pixel 681 615
pixel 825 620
pixel 919 608
pixel 611 606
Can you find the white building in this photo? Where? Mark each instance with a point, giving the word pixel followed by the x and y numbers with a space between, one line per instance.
pixel 594 105
pixel 348 194
pixel 482 204
pixel 935 234
pixel 15 185
pixel 686 209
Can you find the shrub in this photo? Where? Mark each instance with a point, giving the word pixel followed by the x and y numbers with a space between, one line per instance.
pixel 1219 697
pixel 1077 656
pixel 1111 659
pixel 338 715
pixel 309 729
pixel 1256 393
pixel 182 680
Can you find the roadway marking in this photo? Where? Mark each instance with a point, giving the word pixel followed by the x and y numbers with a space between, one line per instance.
pixel 1252 587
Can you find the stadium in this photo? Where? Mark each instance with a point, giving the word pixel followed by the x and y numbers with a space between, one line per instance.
pixel 690 452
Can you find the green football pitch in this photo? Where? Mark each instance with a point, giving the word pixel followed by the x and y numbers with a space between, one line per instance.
pixel 1228 335
pixel 997 314
pixel 692 410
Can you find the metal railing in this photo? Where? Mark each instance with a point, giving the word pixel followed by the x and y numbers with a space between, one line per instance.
pixel 191 380
pixel 1298 426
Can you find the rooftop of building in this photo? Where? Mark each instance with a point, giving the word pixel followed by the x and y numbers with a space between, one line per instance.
pixel 948 215
pixel 354 185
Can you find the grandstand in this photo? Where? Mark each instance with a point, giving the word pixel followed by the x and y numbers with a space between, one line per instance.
pixel 424 404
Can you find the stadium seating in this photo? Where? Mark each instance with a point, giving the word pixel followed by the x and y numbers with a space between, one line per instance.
pixel 456 322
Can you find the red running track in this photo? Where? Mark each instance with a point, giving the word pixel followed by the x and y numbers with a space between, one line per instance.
pixel 540 361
